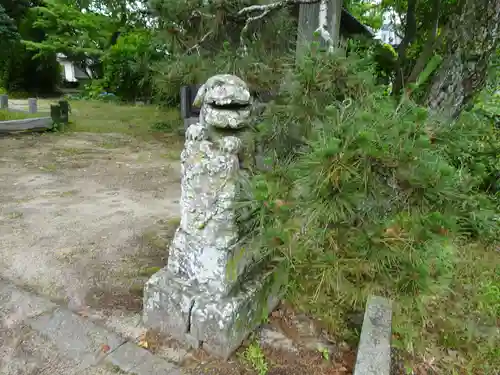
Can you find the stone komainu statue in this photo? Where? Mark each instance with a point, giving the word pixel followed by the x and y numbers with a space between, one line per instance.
pixel 189 298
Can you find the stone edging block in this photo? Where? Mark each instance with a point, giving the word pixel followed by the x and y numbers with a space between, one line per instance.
pixel 82 340
pixel 374 350
pixel 75 337
pixel 26 124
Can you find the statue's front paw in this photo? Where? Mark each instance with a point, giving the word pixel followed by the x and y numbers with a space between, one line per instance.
pixel 196 132
pixel 230 144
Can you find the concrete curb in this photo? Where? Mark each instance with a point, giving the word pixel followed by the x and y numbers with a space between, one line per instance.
pixel 76 337
pixel 374 350
pixel 26 124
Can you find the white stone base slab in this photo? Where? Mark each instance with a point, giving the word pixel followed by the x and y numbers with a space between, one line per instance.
pixel 218 324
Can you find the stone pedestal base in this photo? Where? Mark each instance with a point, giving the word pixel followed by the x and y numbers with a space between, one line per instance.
pixel 218 324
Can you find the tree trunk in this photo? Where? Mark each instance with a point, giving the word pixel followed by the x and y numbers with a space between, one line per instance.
pixel 472 38
pixel 321 15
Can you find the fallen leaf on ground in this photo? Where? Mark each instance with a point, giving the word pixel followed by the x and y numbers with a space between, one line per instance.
pixel 143 342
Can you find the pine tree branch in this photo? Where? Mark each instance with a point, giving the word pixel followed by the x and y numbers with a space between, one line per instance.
pixel 197 45
pixel 274 6
pixel 264 10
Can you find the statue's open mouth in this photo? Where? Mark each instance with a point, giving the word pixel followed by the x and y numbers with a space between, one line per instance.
pixel 233 106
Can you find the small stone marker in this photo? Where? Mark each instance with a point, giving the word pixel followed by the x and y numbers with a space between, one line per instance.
pixel 64 108
pixel 55 113
pixel 190 298
pixel 32 105
pixel 4 101
pixel 374 350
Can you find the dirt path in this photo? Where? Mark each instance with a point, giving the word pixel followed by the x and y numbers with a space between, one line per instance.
pixel 80 214
pixel 86 218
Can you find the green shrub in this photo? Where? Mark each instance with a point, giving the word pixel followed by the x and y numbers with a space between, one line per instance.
pixel 127 65
pixel 365 197
pixel 95 90
pixel 262 66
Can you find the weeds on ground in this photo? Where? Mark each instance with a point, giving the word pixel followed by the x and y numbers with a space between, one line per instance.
pixel 7 115
pixel 135 120
pixel 364 197
pixel 254 357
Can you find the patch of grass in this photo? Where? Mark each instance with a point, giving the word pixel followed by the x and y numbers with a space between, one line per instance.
pixel 116 369
pixel 137 288
pixel 461 328
pixel 135 120
pixel 15 215
pixel 110 145
pixel 8 115
pixel 72 151
pixel 174 154
pixel 153 254
pixel 254 357
pixel 49 168
pixel 160 237
pixel 69 193
pixel 458 329
pixel 149 271
pixel 154 240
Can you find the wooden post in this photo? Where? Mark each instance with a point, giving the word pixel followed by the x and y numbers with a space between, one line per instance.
pixel 308 23
pixel 64 110
pixel 334 17
pixel 32 105
pixel 325 14
pixel 185 105
pixel 4 101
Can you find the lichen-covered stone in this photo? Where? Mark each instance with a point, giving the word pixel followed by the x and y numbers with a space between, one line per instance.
pixel 208 227
pixel 189 298
pixel 223 89
pixel 225 102
pixel 225 118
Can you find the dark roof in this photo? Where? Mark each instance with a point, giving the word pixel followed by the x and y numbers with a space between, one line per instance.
pixel 352 25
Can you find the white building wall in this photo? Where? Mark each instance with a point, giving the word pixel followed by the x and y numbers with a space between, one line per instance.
pixel 69 71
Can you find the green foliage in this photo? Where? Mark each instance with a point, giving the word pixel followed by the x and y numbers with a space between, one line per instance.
pixel 96 90
pixel 20 70
pixel 8 30
pixel 127 65
pixel 255 358
pixel 6 115
pixel 203 39
pixel 81 37
pixel 429 69
pixel 262 71
pixel 473 145
pixel 365 198
pixel 367 12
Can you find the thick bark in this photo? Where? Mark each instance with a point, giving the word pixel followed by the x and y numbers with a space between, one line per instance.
pixel 472 37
